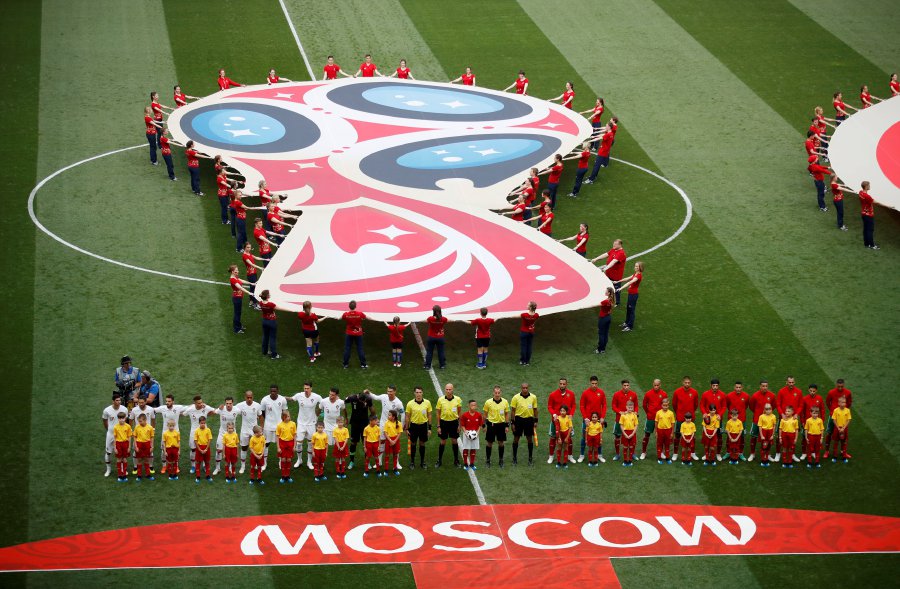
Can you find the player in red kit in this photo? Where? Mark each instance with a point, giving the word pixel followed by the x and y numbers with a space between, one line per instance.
pixel 615 266
pixel 561 396
pixel 353 335
pixel 685 400
pixel 867 211
pixel 788 396
pixel 620 401
pixel 738 400
pixel 225 82
pixel 651 404
pixel 402 72
pixel 367 69
pixel 526 333
pixel 716 397
pixel 831 402
pixel 567 98
pixel 482 337
pixel 757 405
pixel 520 84
pixel 813 399
pixel 593 400
pixel 467 79
pixel 332 70
pixel 273 78
pixel 395 329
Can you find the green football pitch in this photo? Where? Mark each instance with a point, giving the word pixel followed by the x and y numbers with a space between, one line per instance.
pixel 715 96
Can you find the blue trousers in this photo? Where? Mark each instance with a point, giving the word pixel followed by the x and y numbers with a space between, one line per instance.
pixel 233 214
pixel 552 186
pixel 579 178
pixel 223 207
pixel 595 144
pixel 238 303
pixel 603 324
pixel 241 233
pixel 170 167
pixel 195 179
pixel 839 209
pixel 349 342
pixel 629 310
pixel 526 340
pixel 430 345
pixel 868 230
pixel 820 192
pixel 151 139
pixel 599 162
pixel 269 337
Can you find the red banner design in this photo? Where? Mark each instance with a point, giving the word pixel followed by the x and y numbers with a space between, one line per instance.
pixel 452 540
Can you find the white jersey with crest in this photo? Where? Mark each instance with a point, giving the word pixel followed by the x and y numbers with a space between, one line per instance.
pixel 272 408
pixel 164 414
pixel 308 414
pixel 332 411
pixel 249 414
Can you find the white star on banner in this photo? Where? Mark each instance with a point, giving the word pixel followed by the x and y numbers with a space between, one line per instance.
pixel 550 291
pixel 454 104
pixel 283 95
pixel 487 151
pixel 304 165
pixel 551 125
pixel 241 132
pixel 440 152
pixel 391 232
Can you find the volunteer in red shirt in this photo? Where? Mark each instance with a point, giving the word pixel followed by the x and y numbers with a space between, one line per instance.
pixel 261 235
pixel 546 226
pixel 225 82
pixel 166 150
pixel 276 220
pixel 193 164
pixel 840 109
pixel 596 114
pixel 567 98
pixel 269 326
pixel 353 335
pixel 593 400
pixel 818 173
pixel 867 210
pixel 240 219
pixel 758 402
pixel 237 296
pixel 367 69
pixel 837 193
pixel 518 211
pixel 813 399
pixel 582 169
pixel 482 337
pixel 402 72
pixel 866 98
pixel 521 84
pixel 604 320
pixel 158 110
pixel 716 397
pixel 224 190
pixel 615 266
pixel 180 98
pixel 602 160
pixel 555 170
pixel 467 79
pixel 273 78
pixel 788 396
pixel 684 400
pixel 894 85
pixel 332 70
pixel 253 269
pixel 812 142
pixel 738 400
pixel 651 404
pixel 632 283
pixel 526 333
pixel 152 130
pixel 309 324
pixel 581 240
pixel 436 324
pixel 395 329
pixel 561 396
pixel 620 400
pixel 831 401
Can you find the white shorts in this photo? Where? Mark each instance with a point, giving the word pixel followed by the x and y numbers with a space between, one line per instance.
pixel 191 443
pixel 305 432
pixel 245 438
pixel 330 434
pixel 466 444
pixel 110 443
pixel 271 438
pixel 219 444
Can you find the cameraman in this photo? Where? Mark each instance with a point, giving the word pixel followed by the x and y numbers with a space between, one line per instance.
pixel 127 379
pixel 149 389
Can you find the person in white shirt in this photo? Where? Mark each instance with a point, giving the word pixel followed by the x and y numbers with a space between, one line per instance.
pixel 110 419
pixel 272 406
pixel 307 417
pixel 147 411
pixel 388 402
pixel 250 412
pixel 332 408
pixel 195 412
pixel 163 414
pixel 227 414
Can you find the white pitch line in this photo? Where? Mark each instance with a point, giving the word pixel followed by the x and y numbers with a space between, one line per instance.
pixel 312 75
pixel 437 388
pixel 40 225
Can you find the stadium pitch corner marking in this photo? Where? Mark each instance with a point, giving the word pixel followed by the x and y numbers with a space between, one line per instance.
pixel 529 544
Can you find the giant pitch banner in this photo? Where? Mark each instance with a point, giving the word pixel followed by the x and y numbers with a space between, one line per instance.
pixel 398 182
pixel 528 544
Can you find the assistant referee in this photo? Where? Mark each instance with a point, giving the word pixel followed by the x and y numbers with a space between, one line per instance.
pixel 449 408
pixel 525 409
pixel 418 426
pixel 496 416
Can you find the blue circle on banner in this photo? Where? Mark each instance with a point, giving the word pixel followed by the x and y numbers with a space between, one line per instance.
pixel 250 128
pixel 426 99
pixel 238 126
pixel 468 154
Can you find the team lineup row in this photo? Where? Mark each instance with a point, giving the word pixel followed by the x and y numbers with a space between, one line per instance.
pixel 775 420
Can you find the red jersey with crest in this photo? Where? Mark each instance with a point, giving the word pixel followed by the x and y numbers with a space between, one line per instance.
pixel 354 320
pixel 482 327
pixel 436 326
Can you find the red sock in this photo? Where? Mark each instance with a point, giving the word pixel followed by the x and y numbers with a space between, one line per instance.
pixel 472 457
pixel 644 444
pixel 552 446
pixel 618 444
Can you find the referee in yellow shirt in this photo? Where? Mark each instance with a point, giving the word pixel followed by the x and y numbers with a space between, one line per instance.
pixel 524 408
pixel 496 416
pixel 449 408
pixel 417 423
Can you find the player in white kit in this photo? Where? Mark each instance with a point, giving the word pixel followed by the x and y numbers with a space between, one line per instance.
pixel 332 408
pixel 165 413
pixel 195 412
pixel 388 401
pixel 272 405
pixel 147 411
pixel 227 414
pixel 250 412
pixel 110 419
pixel 306 422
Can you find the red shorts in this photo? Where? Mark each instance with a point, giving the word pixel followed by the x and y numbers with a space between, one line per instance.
pixel 594 441
pixel 122 449
pixel 201 453
pixel 629 442
pixel 143 449
pixel 814 441
pixel 767 434
pixel 319 455
pixel 231 454
pixel 664 434
pixel 341 452
pixel 172 454
pixel 371 448
pixel 256 462
pixel 285 448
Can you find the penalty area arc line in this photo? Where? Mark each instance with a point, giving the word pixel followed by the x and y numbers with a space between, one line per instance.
pixel 33 194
